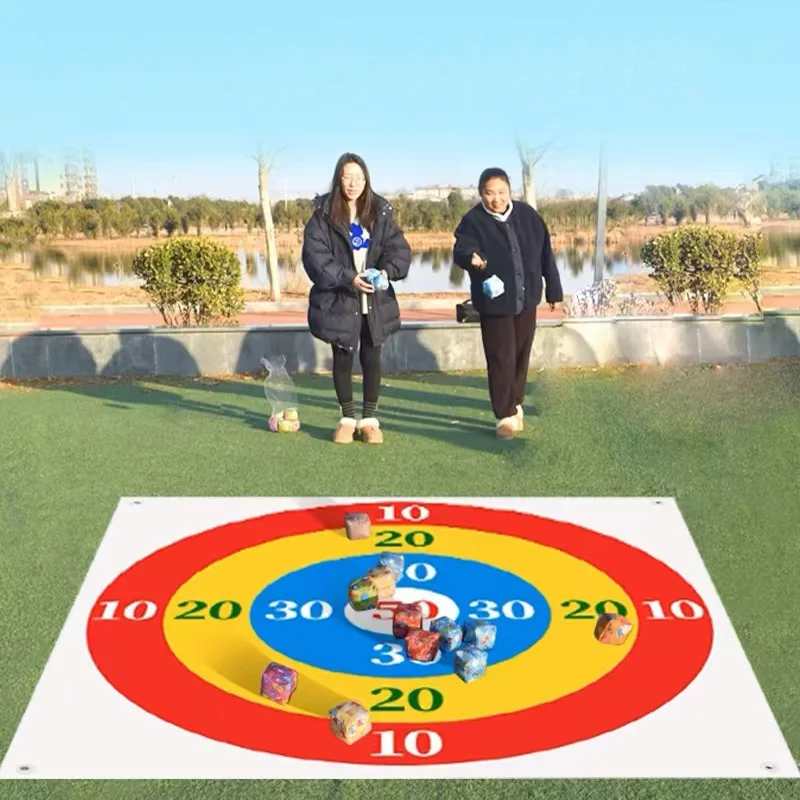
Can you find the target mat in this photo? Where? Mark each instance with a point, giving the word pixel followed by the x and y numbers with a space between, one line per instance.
pixel 157 671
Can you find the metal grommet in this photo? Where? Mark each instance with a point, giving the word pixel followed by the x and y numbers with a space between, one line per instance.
pixel 769 766
pixel 24 768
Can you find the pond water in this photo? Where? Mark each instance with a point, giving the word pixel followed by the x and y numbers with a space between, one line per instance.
pixel 432 271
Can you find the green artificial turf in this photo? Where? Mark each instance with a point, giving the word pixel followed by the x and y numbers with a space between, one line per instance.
pixel 724 441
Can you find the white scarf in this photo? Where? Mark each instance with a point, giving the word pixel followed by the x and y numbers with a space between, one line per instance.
pixel 499 217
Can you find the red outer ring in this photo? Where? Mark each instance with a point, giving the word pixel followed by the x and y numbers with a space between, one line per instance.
pixel 666 656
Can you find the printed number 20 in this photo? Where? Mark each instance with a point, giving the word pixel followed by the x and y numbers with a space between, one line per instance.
pixel 599 609
pixel 431 700
pixel 395 539
pixel 224 609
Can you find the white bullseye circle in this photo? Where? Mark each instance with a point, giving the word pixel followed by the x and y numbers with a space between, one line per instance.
pixel 379 620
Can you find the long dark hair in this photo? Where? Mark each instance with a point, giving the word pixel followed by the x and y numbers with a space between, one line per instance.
pixel 365 207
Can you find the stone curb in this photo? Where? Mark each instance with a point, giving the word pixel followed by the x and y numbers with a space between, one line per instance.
pixel 446 346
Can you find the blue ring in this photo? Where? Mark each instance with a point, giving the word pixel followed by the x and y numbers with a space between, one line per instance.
pixel 336 645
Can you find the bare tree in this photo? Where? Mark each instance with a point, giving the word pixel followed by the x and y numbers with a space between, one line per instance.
pixel 749 202
pixel 14 190
pixel 600 237
pixel 265 166
pixel 529 157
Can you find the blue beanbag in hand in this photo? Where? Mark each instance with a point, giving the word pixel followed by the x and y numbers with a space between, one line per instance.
pixel 377 279
pixel 493 287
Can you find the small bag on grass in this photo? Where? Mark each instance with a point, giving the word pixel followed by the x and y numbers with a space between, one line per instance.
pixel 281 395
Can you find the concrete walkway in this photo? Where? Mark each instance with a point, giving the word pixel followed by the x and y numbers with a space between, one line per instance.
pixel 293 312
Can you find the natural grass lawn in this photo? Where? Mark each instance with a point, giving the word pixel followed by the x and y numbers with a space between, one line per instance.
pixel 725 442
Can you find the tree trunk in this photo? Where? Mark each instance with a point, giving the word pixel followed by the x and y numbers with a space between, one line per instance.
pixel 602 212
pixel 529 184
pixel 13 193
pixel 269 229
pixel 528 159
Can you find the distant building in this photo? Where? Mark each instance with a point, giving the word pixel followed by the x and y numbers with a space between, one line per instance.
pixel 566 197
pixel 29 178
pixel 440 193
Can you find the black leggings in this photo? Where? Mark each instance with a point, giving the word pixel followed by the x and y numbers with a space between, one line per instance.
pixel 370 358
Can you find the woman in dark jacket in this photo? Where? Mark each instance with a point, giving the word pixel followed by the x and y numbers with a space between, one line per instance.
pixel 508 240
pixel 351 231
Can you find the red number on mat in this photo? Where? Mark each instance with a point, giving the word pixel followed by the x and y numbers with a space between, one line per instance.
pixel 386 609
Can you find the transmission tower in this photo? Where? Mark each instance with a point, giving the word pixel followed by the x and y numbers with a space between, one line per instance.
pixel 89 176
pixel 25 161
pixel 73 181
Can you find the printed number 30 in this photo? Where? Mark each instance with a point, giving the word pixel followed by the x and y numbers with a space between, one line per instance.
pixel 513 609
pixel 388 650
pixel 287 609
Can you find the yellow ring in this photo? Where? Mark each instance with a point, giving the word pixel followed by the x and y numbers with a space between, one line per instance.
pixel 229 655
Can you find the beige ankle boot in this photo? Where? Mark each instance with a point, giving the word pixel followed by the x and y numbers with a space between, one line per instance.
pixel 344 431
pixel 370 430
pixel 507 427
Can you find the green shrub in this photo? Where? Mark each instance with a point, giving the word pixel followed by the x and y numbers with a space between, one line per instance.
pixel 701 263
pixel 749 253
pixel 191 281
pixel 16 233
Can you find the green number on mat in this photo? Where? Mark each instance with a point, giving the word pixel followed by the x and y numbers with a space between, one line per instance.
pixel 390 540
pixel 433 701
pixel 576 614
pixel 223 610
pixel 216 611
pixel 599 609
pixel 394 694
pixel 436 699
pixel 620 609
pixel 197 605
pixel 419 538
pixel 413 539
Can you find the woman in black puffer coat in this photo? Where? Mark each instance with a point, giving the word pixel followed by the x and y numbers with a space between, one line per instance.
pixel 507 240
pixel 352 230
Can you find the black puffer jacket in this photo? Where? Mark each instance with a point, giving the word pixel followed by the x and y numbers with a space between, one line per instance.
pixel 480 233
pixel 334 305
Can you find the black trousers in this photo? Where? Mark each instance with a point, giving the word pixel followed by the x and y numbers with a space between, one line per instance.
pixel 507 343
pixel 370 358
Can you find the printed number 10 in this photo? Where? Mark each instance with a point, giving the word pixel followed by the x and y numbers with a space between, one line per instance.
pixel 656 610
pixel 137 611
pixel 410 744
pixel 410 513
